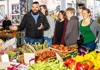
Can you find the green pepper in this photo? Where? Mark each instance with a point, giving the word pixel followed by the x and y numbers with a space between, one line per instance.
pixel 66 56
pixel 74 54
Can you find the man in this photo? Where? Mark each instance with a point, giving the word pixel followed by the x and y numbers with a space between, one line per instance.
pixel 6 23
pixel 80 7
pixel 34 22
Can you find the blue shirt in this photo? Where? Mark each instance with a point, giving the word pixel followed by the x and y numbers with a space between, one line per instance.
pixel 35 17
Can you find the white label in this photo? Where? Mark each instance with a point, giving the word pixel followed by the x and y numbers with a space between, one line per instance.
pixel 5 58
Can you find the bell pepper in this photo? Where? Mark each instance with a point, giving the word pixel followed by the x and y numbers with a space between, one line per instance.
pixel 74 54
pixel 90 63
pixel 80 66
pixel 68 61
pixel 72 65
pixel 66 56
pixel 78 58
pixel 99 69
pixel 98 56
pixel 94 54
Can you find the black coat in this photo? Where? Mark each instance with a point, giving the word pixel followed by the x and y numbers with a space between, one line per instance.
pixel 28 23
pixel 6 24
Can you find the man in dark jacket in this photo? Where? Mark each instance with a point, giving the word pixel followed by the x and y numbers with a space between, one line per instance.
pixel 6 23
pixel 34 22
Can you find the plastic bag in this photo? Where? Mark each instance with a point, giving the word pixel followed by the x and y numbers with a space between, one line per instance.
pixel 12 43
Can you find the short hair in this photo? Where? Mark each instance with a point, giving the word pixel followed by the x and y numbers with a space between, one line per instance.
pixel 36 2
pixel 81 6
pixel 45 7
pixel 70 9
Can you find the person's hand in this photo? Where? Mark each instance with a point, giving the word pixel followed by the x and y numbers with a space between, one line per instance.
pixel 40 27
pixel 96 40
pixel 13 27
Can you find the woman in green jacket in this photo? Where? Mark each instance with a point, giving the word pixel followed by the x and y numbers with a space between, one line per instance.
pixel 88 29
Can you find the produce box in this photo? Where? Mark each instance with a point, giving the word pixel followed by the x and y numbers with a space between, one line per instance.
pixel 40 51
pixel 7 33
pixel 37 46
pixel 62 50
pixel 44 55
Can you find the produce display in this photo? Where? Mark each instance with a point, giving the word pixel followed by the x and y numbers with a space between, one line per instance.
pixel 82 51
pixel 12 55
pixel 45 55
pixel 37 46
pixel 56 57
pixel 90 61
pixel 25 49
pixel 48 66
pixel 63 49
pixel 70 55
pixel 7 33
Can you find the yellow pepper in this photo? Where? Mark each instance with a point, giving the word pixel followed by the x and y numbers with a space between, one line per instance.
pixel 78 58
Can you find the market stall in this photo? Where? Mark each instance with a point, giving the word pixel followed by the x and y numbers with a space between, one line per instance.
pixel 41 57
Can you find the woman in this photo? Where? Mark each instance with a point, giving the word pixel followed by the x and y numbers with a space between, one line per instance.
pixel 88 29
pixel 48 35
pixel 60 28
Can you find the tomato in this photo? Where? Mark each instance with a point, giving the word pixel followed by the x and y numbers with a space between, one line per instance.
pixel 61 45
pixel 65 48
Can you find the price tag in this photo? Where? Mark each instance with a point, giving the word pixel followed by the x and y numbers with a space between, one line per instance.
pixel 28 57
pixel 4 58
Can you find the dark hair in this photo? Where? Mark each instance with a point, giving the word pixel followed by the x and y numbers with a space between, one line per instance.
pixel 81 6
pixel 36 2
pixel 88 10
pixel 63 13
pixel 45 7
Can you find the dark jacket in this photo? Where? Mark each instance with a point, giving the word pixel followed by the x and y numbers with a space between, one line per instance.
pixel 72 31
pixel 28 23
pixel 63 35
pixel 6 24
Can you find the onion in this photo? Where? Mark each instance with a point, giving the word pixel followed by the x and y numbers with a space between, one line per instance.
pixel 82 53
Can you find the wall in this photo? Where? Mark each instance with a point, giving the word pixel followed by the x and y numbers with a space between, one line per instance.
pixel 68 3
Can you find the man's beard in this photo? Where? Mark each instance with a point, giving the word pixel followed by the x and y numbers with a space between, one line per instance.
pixel 35 13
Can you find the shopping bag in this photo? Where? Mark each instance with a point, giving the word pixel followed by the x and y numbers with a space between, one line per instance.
pixel 12 43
